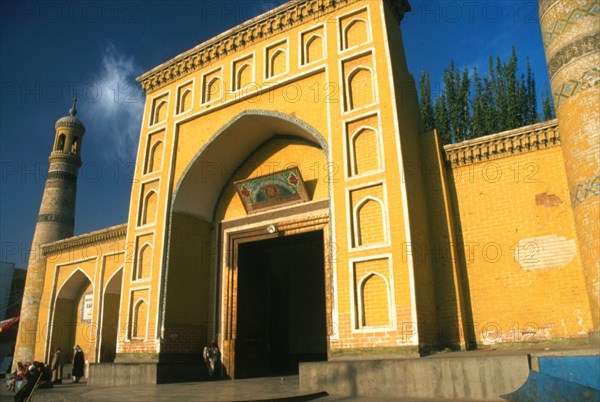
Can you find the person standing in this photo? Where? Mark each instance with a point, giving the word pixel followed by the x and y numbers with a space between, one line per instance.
pixel 57 366
pixel 211 358
pixel 78 363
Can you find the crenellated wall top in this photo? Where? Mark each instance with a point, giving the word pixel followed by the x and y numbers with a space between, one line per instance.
pixel 112 233
pixel 500 145
pixel 264 26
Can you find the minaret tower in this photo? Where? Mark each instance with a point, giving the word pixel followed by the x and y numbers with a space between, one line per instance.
pixel 571 33
pixel 55 221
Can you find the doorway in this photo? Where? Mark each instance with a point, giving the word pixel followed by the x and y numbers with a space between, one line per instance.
pixel 281 304
pixel 110 318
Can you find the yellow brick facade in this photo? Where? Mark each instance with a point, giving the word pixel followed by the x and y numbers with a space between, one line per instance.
pixel 421 246
pixel 521 285
pixel 85 269
pixel 325 75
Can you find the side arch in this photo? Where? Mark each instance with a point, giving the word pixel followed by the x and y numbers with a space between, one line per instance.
pixel 185 102
pixel 111 302
pixel 362 235
pixel 313 49
pixel 155 157
pixel 277 63
pixel 138 324
pixel 243 76
pixel 143 262
pixel 149 205
pixel 360 88
pixel 355 33
pixel 160 112
pixel 60 142
pixel 373 297
pixel 67 287
pixel 213 90
pixel 365 156
pixel 71 320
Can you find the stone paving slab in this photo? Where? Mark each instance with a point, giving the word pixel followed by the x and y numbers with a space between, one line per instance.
pixel 285 389
pixel 255 389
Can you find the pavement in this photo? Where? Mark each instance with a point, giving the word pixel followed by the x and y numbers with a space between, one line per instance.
pixel 274 388
pixel 254 389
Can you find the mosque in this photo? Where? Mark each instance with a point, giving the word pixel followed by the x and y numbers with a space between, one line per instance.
pixel 288 204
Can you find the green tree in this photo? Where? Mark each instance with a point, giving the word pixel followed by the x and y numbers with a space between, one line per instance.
pixel 478 108
pixel 513 93
pixel 523 101
pixel 470 108
pixel 451 99
pixel 442 120
pixel 462 131
pixel 490 113
pixel 531 108
pixel 497 76
pixel 547 106
pixel 426 106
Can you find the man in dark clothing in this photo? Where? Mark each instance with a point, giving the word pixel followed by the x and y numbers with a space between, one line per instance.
pixel 45 380
pixel 32 378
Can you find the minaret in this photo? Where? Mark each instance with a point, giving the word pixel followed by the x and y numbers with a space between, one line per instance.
pixel 571 33
pixel 56 221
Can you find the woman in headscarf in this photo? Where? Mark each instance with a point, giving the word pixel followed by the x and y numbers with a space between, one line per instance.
pixel 78 363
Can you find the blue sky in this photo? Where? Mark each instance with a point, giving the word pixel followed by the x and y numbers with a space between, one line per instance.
pixel 47 48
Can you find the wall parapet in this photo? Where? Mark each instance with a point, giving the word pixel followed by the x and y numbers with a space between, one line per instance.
pixel 274 22
pixel 507 143
pixel 112 233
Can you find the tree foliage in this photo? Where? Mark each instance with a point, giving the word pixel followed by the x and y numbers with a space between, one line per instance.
pixel 547 106
pixel 471 106
pixel 425 103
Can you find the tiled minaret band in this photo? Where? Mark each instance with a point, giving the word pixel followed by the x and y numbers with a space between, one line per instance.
pixel 571 33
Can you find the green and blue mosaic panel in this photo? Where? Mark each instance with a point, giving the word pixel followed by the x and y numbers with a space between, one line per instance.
pixel 273 190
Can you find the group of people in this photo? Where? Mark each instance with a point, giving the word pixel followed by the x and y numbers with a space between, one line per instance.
pixel 39 375
pixel 28 377
pixel 58 363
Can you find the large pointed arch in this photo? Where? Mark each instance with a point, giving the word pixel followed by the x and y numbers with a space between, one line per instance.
pixel 191 216
pixel 200 201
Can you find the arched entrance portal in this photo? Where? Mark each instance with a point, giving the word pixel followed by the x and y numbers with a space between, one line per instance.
pixel 260 277
pixel 110 317
pixel 73 313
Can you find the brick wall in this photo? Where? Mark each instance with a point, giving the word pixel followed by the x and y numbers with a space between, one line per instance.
pixel 516 240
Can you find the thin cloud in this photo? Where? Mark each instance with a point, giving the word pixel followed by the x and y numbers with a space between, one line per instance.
pixel 118 108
